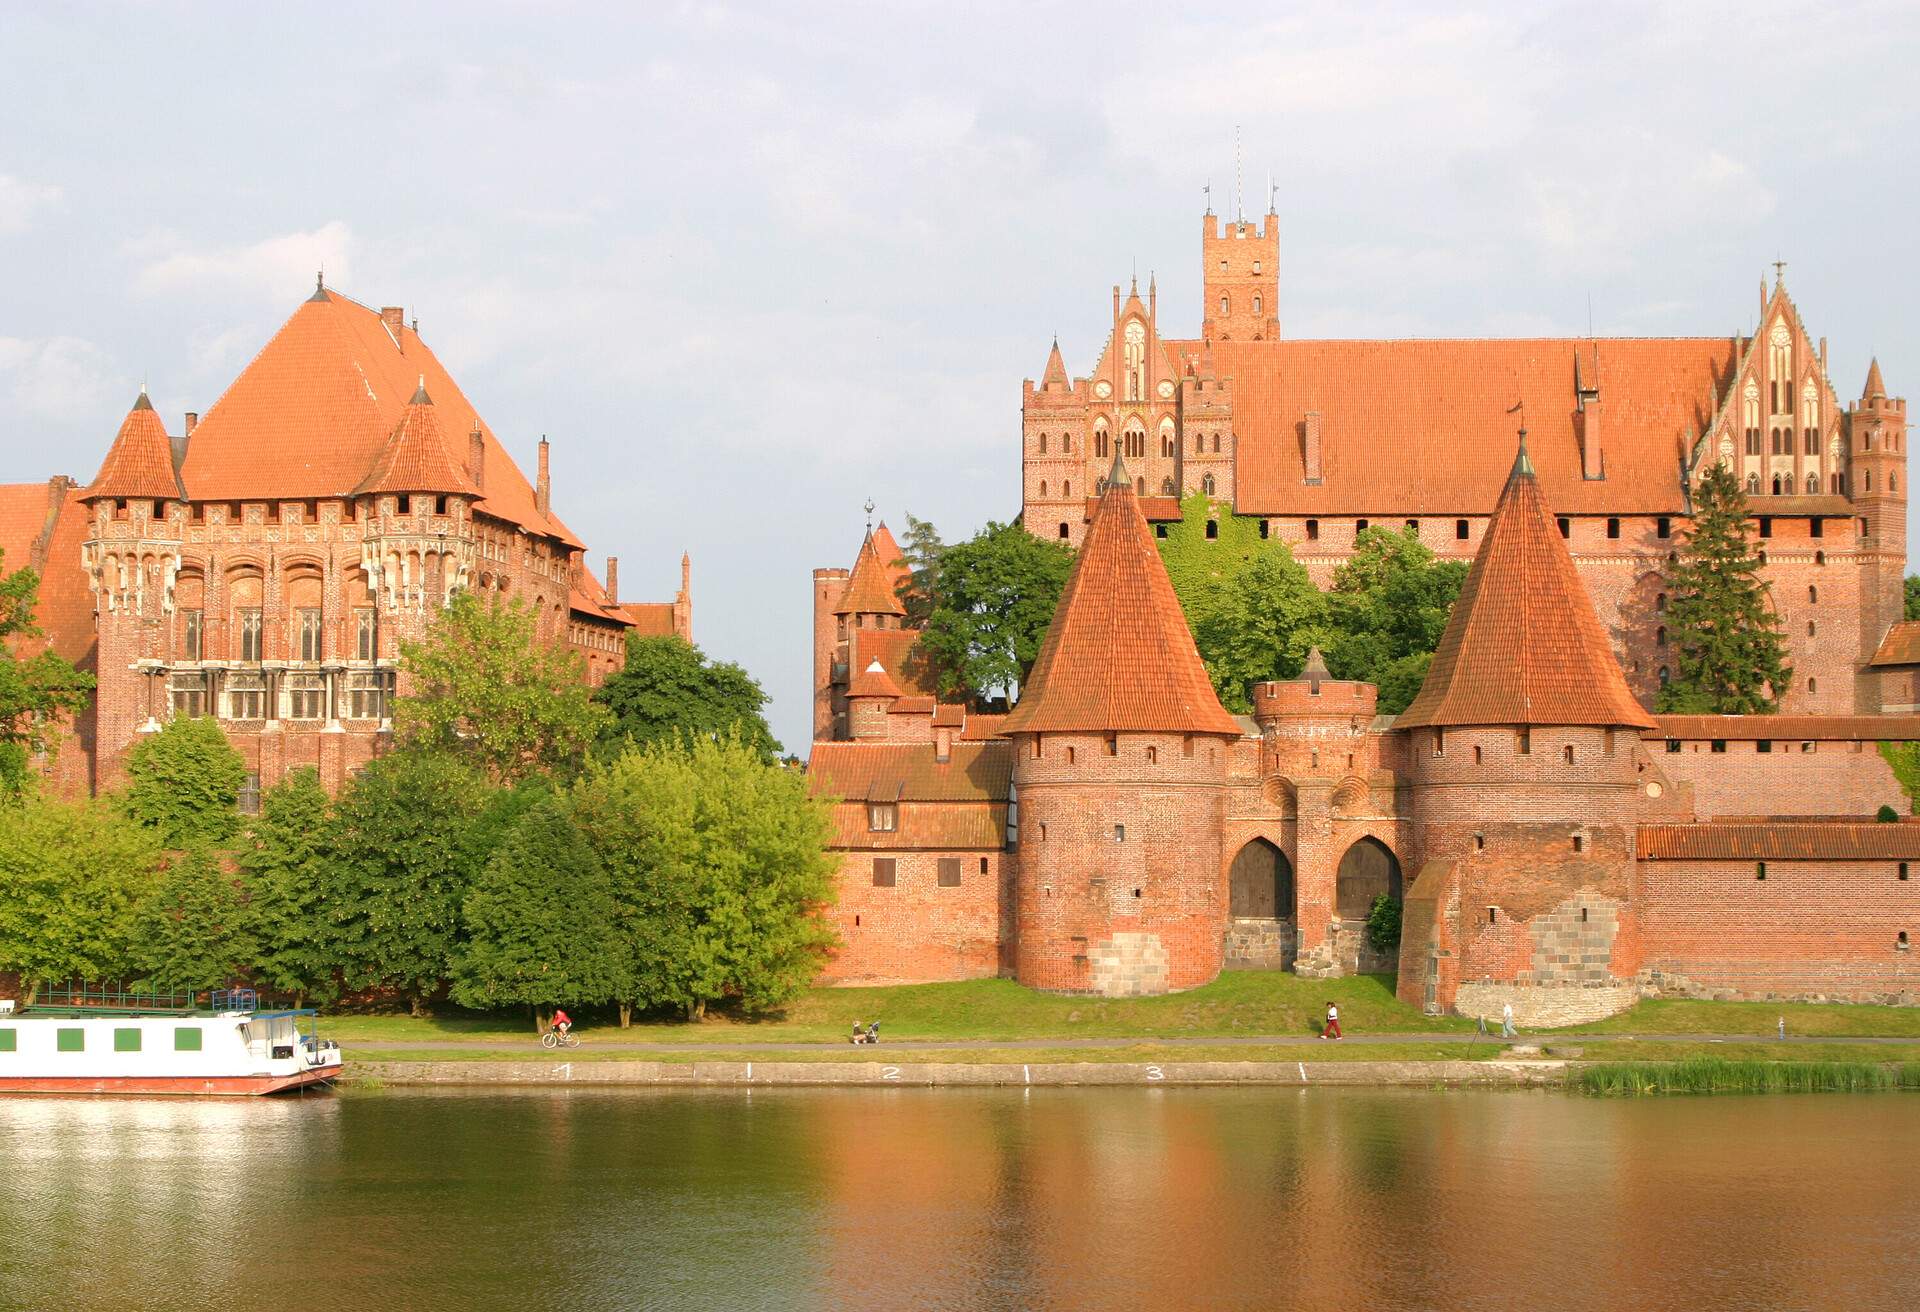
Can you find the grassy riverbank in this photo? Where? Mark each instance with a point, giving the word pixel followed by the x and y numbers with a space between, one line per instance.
pixel 1803 1018
pixel 1717 1075
pixel 1287 1053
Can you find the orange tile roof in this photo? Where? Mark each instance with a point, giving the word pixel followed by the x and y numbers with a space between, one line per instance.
pixel 650 619
pixel 139 464
pixel 64 612
pixel 1055 374
pixel 895 649
pixel 1876 386
pixel 416 458
pixel 1788 728
pixel 911 706
pixel 1781 840
pixel 1419 427
pixel 1523 645
pixel 920 826
pixel 890 559
pixel 1901 646
pixel 873 681
pixel 949 715
pixel 1118 654
pixel 870 589
pixel 311 412
pixel 909 772
pixel 981 728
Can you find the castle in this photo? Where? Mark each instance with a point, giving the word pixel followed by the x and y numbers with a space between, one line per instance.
pixel 1554 844
pixel 264 565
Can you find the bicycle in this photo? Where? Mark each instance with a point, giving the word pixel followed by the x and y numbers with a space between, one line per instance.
pixel 555 1039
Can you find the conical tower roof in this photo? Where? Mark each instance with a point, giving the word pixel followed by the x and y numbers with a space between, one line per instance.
pixel 1118 654
pixel 870 590
pixel 874 681
pixel 1056 374
pixel 416 458
pixel 1876 386
pixel 139 464
pixel 1523 645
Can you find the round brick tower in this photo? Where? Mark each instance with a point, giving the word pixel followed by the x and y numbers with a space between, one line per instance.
pixel 1120 756
pixel 1521 752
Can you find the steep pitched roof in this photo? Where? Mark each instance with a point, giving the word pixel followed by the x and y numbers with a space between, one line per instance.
pixel 895 649
pixel 312 411
pixel 873 681
pixel 140 461
pixel 1416 427
pixel 42 525
pixel 888 551
pixel 870 590
pixel 1056 372
pixel 416 457
pixel 1523 645
pixel 1118 654
pixel 1876 385
pixel 1901 646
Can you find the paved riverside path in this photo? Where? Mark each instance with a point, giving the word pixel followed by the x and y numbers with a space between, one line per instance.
pixel 507 1046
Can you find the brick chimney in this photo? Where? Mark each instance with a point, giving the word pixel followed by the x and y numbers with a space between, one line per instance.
pixel 613 580
pixel 395 317
pixel 942 743
pixel 1310 451
pixel 477 457
pixel 543 484
pixel 191 422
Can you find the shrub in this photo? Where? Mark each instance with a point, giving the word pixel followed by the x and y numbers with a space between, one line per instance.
pixel 1383 924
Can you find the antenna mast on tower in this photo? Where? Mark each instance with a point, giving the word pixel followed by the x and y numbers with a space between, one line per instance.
pixel 1239 179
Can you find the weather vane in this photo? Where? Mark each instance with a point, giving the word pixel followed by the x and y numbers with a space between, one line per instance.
pixel 869 514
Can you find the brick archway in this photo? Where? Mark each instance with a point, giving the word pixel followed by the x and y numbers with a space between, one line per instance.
pixel 1367 869
pixel 1260 883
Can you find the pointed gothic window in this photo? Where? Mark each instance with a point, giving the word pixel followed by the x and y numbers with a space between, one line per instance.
pixel 1256 304
pixel 1223 307
pixel 1066 488
pixel 1206 484
pixel 1136 361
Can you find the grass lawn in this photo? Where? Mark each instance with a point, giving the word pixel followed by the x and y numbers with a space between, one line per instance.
pixel 1241 1002
pixel 1141 1052
pixel 1680 1050
pixel 1803 1018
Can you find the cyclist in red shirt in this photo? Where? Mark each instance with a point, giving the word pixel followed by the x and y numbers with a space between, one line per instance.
pixel 562 1021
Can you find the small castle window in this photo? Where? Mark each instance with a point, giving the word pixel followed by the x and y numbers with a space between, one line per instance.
pixel 1813 593
pixel 1613 528
pixel 1313 530
pixel 1159 530
pixel 1043 444
pixel 1819 557
pixel 1066 488
pixel 884 871
pixel 1764 745
pixel 1213 529
pixel 1223 306
pixel 1359 527
pixel 1186 745
pixel 1063 531
pixel 1760 870
pixel 1256 300
pixel 1439 742
pixel 1479 840
pixel 1523 741
pixel 1460 529
pixel 1567 753
pixel 1717 745
pixel 1043 487
pixel 949 872
pixel 1811 627
pixel 1493 915
pixel 1663 527
pixel 439 505
pixel 1119 833
pixel 1766 526
pixel 1579 843
pixel 1566 527
pixel 882 817
pixel 1113 744
pixel 1660 603
pixel 1673 745
pixel 1153 756
pixel 1900 942
pixel 1476 754
pixel 1069 756
pixel 1813 685
pixel 1265 530
pixel 1660 636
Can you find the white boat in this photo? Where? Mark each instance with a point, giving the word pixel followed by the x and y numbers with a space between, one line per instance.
pixel 81 1040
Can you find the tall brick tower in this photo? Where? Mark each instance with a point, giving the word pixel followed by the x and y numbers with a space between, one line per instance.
pixel 137 522
pixel 1877 438
pixel 1120 756
pixel 1522 751
pixel 1242 268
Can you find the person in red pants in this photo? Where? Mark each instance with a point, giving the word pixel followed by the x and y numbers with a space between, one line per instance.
pixel 1332 1028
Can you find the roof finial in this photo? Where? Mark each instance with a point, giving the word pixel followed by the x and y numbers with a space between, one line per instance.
pixel 1116 476
pixel 420 396
pixel 319 286
pixel 1239 179
pixel 869 509
pixel 1207 191
pixel 1779 273
pixel 1522 462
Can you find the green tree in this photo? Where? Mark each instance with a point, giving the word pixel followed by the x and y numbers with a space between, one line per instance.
pixel 541 923
pixel 1730 656
pixel 195 931
pixel 920 554
pixel 994 596
pixel 485 688
pixel 1259 625
pixel 1203 569
pixel 285 861
pixel 184 783
pixel 719 869
pixel 1383 923
pixel 1388 609
pixel 1913 597
pixel 669 688
pixel 72 878
pixel 408 836
pixel 35 690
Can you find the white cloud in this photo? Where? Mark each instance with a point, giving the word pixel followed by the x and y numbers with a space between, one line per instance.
pixel 56 377
pixel 20 200
pixel 272 267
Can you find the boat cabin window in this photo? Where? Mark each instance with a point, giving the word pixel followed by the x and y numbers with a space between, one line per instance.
pixel 70 1040
pixel 126 1040
pixel 9 1041
pixel 186 1039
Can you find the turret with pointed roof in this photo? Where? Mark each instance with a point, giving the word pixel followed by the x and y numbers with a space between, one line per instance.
pixel 416 457
pixel 1056 372
pixel 1876 386
pixel 870 591
pixel 1118 654
pixel 139 464
pixel 1523 646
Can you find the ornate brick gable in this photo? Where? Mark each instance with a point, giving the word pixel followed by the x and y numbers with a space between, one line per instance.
pixel 1522 646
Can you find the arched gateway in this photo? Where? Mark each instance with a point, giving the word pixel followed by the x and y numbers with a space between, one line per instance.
pixel 1260 883
pixel 1368 869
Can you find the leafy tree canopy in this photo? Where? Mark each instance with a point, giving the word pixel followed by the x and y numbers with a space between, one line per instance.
pixel 285 858
pixel 1730 655
pixel 719 868
pixel 407 838
pixel 196 930
pixel 1913 597
pixel 484 688
pixel 920 556
pixel 35 690
pixel 72 876
pixel 669 688
pixel 993 597
pixel 541 922
pixel 1387 611
pixel 184 783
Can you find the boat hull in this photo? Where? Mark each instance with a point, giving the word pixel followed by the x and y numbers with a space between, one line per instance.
pixel 170 1086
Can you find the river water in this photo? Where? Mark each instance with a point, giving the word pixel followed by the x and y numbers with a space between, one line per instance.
pixel 964 1199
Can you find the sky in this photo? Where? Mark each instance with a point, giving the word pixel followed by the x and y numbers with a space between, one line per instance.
pixel 750 266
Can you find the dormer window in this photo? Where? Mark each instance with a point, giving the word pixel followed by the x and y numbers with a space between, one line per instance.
pixel 883 817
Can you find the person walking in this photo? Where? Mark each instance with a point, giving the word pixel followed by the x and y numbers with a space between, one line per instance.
pixel 1331 1030
pixel 1506 1021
